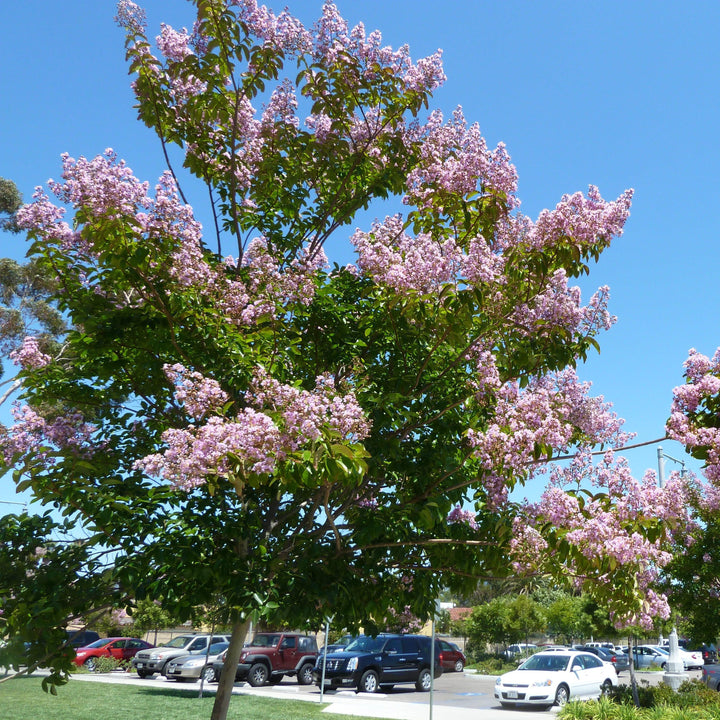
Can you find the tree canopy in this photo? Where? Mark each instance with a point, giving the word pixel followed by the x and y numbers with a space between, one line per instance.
pixel 248 426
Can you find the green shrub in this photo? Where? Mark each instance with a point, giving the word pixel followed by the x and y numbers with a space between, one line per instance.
pixel 488 664
pixel 106 664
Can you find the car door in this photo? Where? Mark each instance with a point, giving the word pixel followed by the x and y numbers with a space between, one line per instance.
pixel 595 674
pixel 115 649
pixel 287 654
pixel 131 647
pixel 394 662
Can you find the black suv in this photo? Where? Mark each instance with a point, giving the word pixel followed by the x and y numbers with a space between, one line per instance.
pixel 373 663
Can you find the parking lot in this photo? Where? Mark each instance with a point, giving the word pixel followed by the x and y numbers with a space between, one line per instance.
pixel 456 696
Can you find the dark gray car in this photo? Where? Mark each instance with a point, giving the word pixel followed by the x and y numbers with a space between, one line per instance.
pixel 620 661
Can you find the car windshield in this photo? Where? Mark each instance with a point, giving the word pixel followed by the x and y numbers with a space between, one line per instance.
pixel 99 643
pixel 552 663
pixel 265 641
pixel 366 644
pixel 179 642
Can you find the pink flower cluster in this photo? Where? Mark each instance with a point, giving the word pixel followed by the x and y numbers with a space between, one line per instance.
pixel 425 262
pixel 34 437
pixel 607 529
pixel 465 517
pixel 688 421
pixel 249 444
pixel 29 356
pixel 585 220
pixel 174 44
pixel 286 419
pixel 305 414
pixel 283 32
pixel 200 395
pixel 552 411
pixel 333 40
pixel 455 159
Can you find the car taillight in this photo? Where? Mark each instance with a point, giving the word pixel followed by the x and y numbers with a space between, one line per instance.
pixel 613 659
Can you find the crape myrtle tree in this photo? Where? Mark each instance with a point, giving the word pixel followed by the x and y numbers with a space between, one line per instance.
pixel 250 427
pixel 691 580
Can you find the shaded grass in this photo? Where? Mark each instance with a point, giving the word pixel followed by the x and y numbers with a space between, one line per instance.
pixel 23 699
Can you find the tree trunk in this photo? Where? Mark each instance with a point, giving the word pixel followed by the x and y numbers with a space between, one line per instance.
pixel 227 676
pixel 633 679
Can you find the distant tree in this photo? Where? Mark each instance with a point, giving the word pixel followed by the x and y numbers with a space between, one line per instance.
pixel 10 202
pixel 567 619
pixel 524 618
pixel 488 624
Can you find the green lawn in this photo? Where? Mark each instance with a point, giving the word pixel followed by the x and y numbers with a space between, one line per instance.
pixel 23 699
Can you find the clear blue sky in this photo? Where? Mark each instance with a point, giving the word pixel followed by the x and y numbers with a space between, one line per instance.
pixel 616 94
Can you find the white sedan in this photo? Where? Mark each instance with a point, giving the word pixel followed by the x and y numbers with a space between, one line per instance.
pixel 553 678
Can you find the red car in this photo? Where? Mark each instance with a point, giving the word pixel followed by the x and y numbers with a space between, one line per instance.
pixel 451 656
pixel 120 648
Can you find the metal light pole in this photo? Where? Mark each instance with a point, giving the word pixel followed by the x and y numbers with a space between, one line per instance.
pixel 661 466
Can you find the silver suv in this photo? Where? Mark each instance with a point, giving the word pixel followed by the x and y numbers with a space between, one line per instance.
pixel 154 660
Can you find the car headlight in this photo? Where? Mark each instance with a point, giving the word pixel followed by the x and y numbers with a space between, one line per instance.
pixel 195 662
pixel 542 683
pixel 155 656
pixel 352 663
pixel 498 681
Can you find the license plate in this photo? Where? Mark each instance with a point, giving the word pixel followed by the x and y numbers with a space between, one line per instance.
pixel 512 694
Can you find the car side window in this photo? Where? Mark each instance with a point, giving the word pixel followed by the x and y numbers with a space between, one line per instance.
pixel 288 643
pixel 135 644
pixel 198 644
pixel 393 646
pixel 410 645
pixel 578 664
pixel 118 644
pixel 592 662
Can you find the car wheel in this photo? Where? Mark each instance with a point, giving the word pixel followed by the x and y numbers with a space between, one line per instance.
pixel 368 682
pixel 208 674
pixel 142 674
pixel 258 675
pixel 89 664
pixel 562 695
pixel 304 676
pixel 424 681
pixel 606 687
pixel 459 666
